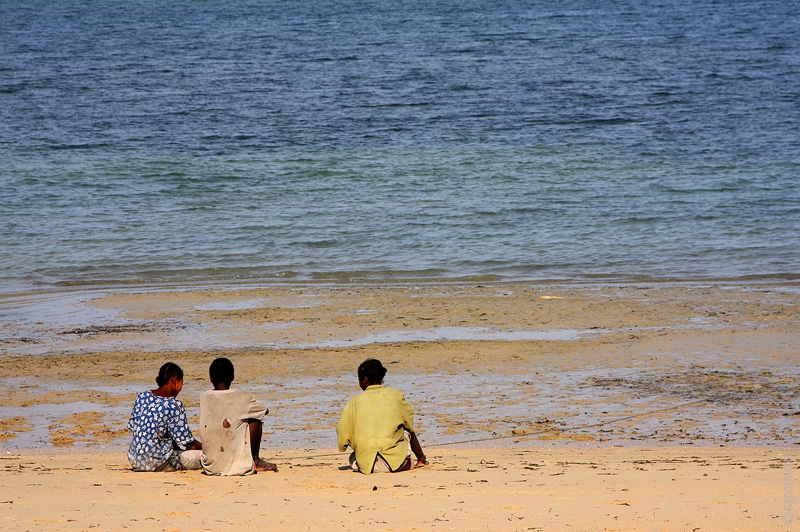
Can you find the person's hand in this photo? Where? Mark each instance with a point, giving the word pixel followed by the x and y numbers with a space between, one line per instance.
pixel 422 462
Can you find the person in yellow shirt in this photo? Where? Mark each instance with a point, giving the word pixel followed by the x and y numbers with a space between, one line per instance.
pixel 378 424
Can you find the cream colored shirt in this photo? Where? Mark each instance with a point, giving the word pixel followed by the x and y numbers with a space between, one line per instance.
pixel 226 450
pixel 373 422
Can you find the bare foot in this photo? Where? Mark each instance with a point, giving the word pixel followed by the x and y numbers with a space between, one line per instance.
pixel 262 465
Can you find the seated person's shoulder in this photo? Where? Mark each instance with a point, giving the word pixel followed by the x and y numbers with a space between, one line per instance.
pixel 394 392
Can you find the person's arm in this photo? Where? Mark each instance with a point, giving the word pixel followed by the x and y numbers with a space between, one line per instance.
pixel 179 431
pixel 416 448
pixel 132 422
pixel 255 410
pixel 408 424
pixel 344 429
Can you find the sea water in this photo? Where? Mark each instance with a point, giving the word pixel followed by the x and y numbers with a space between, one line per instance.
pixel 149 141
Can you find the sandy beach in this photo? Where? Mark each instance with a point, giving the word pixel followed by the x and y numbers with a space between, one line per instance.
pixel 543 407
pixel 463 489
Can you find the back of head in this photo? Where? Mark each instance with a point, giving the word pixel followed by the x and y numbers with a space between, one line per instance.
pixel 221 371
pixel 168 372
pixel 373 370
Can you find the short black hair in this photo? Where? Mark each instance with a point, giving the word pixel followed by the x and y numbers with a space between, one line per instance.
pixel 168 372
pixel 373 370
pixel 221 371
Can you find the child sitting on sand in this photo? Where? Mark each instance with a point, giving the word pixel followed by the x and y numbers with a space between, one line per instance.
pixel 230 424
pixel 378 424
pixel 162 440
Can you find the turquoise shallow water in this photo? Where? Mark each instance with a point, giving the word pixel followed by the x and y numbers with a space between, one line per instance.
pixel 142 142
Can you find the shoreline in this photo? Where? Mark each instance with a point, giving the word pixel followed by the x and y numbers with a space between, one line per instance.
pixel 348 279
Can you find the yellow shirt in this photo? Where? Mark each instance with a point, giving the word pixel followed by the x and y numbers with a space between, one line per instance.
pixel 374 422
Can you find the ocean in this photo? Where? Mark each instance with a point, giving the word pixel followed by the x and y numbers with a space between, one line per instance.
pixel 269 141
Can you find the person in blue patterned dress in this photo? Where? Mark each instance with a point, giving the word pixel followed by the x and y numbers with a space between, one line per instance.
pixel 162 440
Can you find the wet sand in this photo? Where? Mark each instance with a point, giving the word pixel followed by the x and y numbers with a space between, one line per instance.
pixel 560 371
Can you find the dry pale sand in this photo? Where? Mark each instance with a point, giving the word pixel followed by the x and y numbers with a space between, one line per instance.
pixel 560 407
pixel 463 489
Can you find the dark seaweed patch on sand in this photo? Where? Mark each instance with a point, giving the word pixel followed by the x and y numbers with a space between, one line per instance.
pixel 110 329
pixel 716 386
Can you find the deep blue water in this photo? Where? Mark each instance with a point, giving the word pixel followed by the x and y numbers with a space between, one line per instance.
pixel 190 140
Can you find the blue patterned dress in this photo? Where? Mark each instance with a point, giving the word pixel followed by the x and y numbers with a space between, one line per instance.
pixel 160 432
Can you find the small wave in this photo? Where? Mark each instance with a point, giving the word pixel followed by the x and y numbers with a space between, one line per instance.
pixel 82 146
